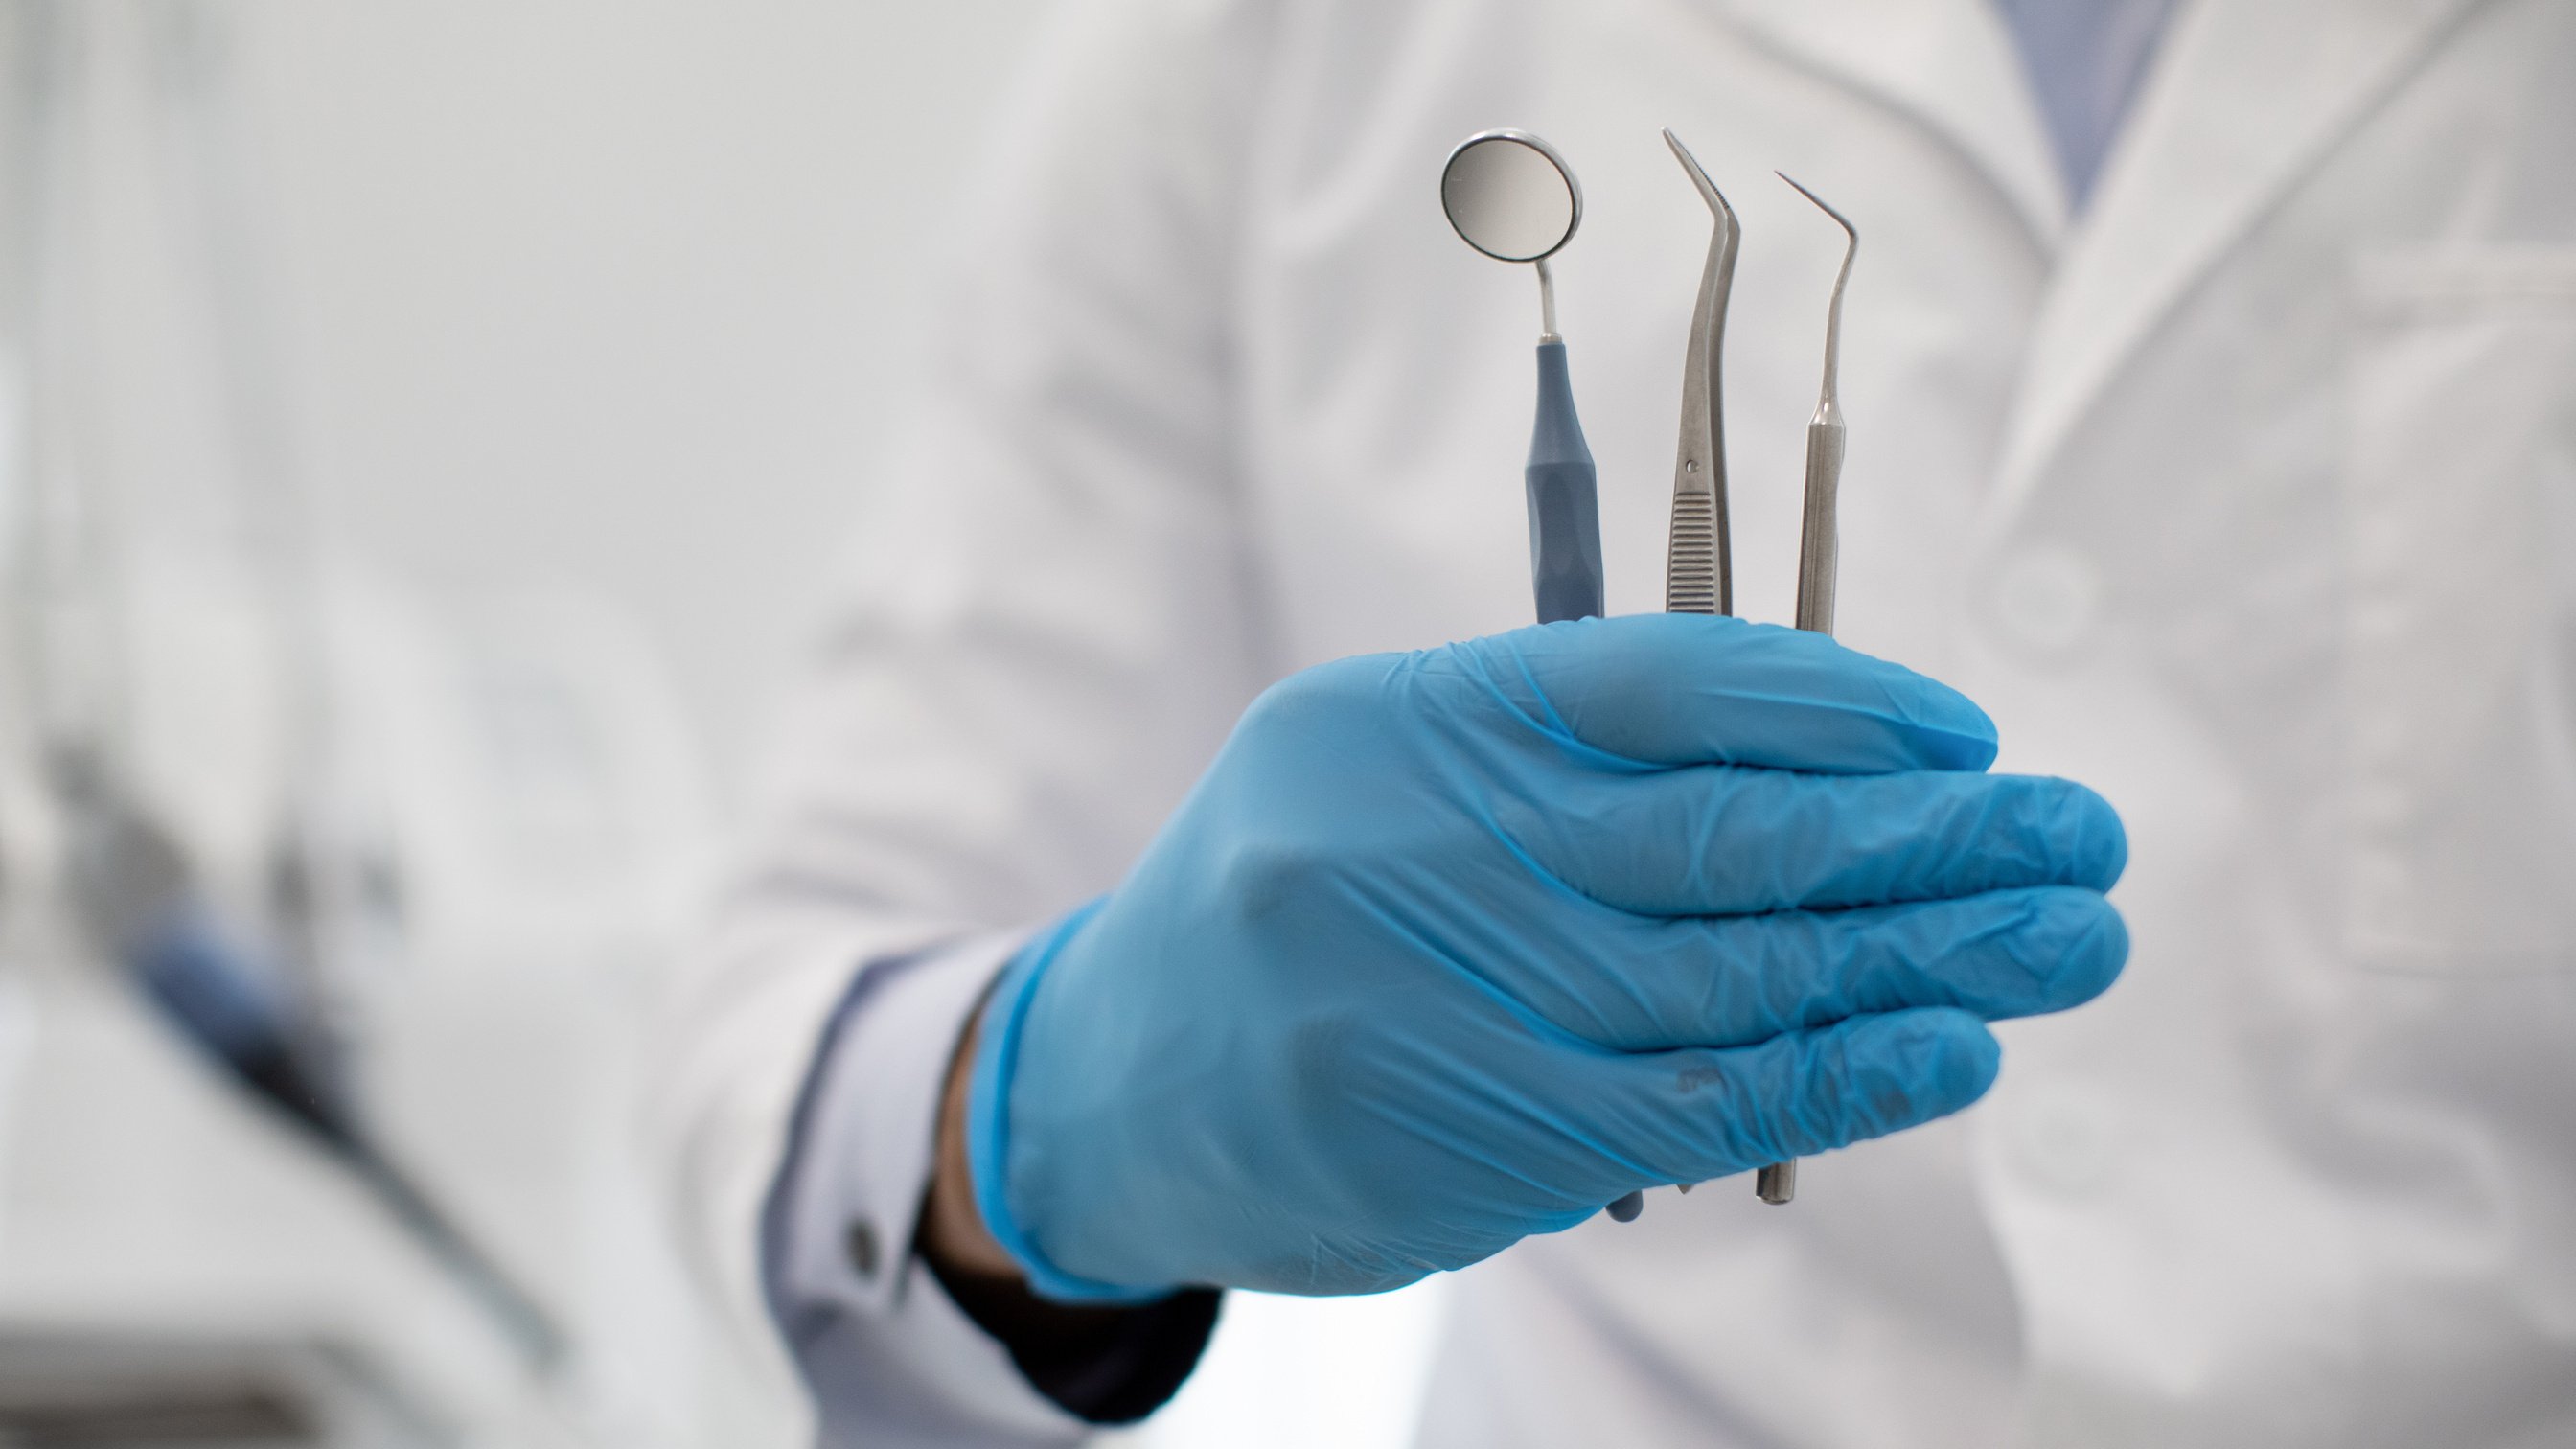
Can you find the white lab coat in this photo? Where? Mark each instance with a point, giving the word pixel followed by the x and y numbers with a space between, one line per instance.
pixel 2249 500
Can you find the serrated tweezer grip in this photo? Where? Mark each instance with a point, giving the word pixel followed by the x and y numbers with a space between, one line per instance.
pixel 1693 576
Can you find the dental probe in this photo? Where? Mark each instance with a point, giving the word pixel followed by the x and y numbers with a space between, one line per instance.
pixel 1818 539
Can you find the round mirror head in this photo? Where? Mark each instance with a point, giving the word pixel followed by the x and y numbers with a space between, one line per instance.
pixel 1510 196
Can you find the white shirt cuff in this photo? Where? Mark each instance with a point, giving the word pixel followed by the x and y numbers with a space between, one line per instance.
pixel 842 1279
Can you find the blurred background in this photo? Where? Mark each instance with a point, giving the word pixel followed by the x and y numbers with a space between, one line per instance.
pixel 426 429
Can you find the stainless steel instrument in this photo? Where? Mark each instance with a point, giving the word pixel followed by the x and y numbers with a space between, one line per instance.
pixel 1513 198
pixel 1818 538
pixel 1698 571
pixel 1698 567
pixel 1818 541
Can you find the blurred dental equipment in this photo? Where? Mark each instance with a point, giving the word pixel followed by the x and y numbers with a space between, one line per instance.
pixel 1512 197
pixel 138 900
pixel 252 992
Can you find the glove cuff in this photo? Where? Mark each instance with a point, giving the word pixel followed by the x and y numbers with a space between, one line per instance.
pixel 988 1121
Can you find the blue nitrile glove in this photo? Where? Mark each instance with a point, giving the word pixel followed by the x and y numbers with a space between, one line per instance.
pixel 1454 947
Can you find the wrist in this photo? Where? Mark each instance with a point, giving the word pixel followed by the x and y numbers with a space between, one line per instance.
pixel 1105 1365
pixel 953 1236
pixel 991 1080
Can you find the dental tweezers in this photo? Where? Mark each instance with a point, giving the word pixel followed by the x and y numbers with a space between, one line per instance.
pixel 1699 575
pixel 1698 570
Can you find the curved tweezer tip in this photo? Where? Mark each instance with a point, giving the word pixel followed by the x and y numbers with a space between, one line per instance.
pixel 1699 178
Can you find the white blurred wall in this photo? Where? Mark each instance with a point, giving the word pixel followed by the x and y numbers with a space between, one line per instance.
pixel 614 292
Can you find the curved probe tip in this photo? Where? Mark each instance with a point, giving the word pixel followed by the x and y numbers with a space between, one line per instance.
pixel 1840 220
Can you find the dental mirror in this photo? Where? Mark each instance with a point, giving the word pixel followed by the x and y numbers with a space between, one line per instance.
pixel 1511 196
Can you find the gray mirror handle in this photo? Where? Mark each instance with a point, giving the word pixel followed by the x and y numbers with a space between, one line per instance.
pixel 1564 500
pixel 1565 535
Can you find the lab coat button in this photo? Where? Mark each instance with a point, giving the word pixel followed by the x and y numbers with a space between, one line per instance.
pixel 861 1245
pixel 2064 1143
pixel 2049 597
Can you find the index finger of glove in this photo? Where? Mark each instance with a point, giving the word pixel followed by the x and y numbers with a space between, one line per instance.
pixel 1693 689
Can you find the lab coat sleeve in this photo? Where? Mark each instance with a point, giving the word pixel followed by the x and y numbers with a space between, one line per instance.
pixel 1051 618
pixel 886 1357
pixel 870 1328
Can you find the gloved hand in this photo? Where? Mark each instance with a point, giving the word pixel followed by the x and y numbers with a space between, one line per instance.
pixel 1454 947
